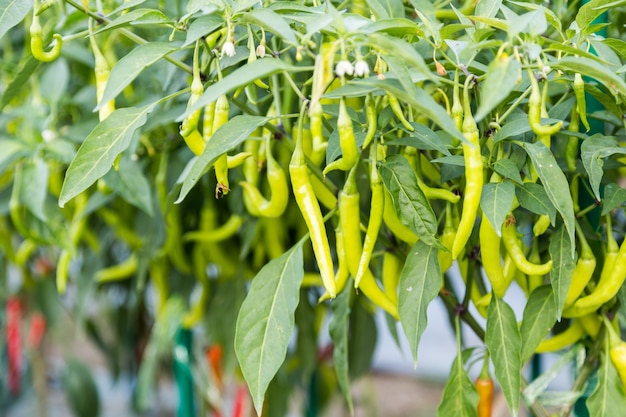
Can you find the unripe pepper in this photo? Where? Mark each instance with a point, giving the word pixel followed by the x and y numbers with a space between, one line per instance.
pixel 514 248
pixel 312 214
pixel 473 175
pixel 347 142
pixel 36 41
pixel 585 266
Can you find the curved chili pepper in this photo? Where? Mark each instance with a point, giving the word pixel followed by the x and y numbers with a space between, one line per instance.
pixel 349 220
pixel 371 117
pixel 36 41
pixel 397 111
pixel 121 271
pixel 376 217
pixel 490 257
pixel 585 266
pixel 514 248
pixel 473 175
pixel 222 110
pixel 534 110
pixel 392 268
pixel 347 142
pixel 225 231
pixel 562 340
pixel 102 72
pixel 312 214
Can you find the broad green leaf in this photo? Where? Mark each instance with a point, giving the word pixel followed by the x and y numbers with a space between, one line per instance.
pixel 460 397
pixel 96 155
pixel 411 205
pixel 395 27
pixel 362 339
pixel 512 129
pixel 614 197
pixel 339 329
pixel 533 197
pixel 421 101
pixel 487 8
pixel 54 81
pixel 426 139
pixel 12 150
pixel 539 313
pixel 131 184
pixel 271 22
pixel 508 169
pixel 501 79
pixel 538 387
pixel 607 400
pixel 27 66
pixel 400 49
pixel 555 184
pixel 593 150
pixel 240 5
pixel 130 66
pixel 266 321
pixel 589 12
pixel 138 17
pixel 203 26
pixel 34 187
pixel 551 17
pixel 563 267
pixel 12 12
pixel 420 282
pixel 224 139
pixel 240 77
pixel 160 344
pixel 592 68
pixel 618 45
pixel 386 8
pixel 502 338
pixel 496 201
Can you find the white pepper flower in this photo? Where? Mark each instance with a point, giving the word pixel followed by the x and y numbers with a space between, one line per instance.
pixel 228 49
pixel 361 69
pixel 344 67
pixel 260 50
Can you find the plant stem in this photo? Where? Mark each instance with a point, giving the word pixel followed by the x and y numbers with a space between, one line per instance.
pixel 129 34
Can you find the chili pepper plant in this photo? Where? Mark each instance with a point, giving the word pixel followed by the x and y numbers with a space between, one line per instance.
pixel 248 170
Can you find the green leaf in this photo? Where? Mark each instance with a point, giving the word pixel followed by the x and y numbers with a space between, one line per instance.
pixel 12 150
pixel 552 18
pixel 555 184
pixel 227 137
pixel 614 197
pixel 266 321
pixel 589 12
pixel 27 66
pixel 593 150
pixel 496 201
pixel 533 197
pixel 487 8
pixel 426 139
pixel 420 282
pixel 411 205
pixel 394 47
pixel 593 69
pixel 34 187
pixel 539 312
pixel 386 8
pixel 501 79
pixel 339 329
pixel 504 342
pixel 539 386
pixel 395 27
pixel 508 169
pixel 202 26
pixel 12 12
pixel 460 397
pixel 562 268
pixel 132 185
pixel 607 400
pixel 138 17
pixel 130 66
pixel 512 129
pixel 241 76
pixel 96 155
pixel 54 81
pixel 271 22
pixel 617 45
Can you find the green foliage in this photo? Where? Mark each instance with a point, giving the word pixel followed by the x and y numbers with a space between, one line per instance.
pixel 95 170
